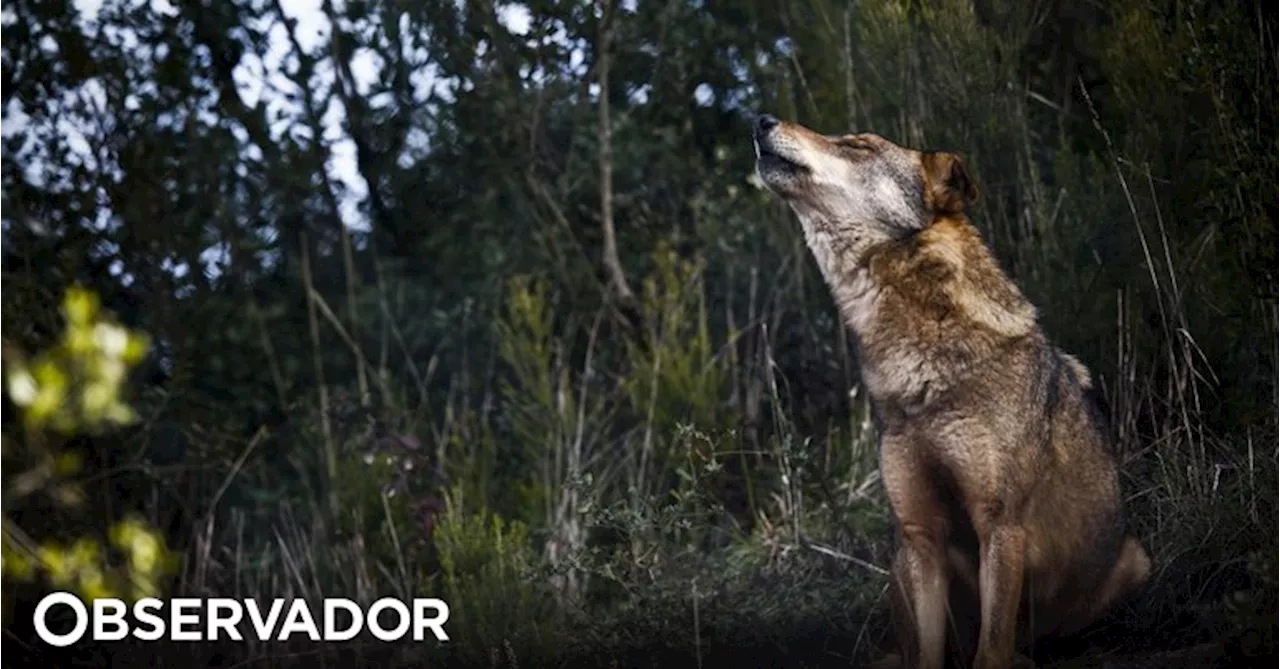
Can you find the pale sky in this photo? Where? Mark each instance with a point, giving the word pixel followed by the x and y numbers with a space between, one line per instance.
pixel 261 81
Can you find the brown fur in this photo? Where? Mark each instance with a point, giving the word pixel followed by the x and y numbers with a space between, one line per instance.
pixel 1003 487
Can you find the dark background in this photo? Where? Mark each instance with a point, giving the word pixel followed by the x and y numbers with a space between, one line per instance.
pixel 428 317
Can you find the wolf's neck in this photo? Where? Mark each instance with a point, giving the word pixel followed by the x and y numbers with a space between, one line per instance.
pixel 841 255
pixel 926 310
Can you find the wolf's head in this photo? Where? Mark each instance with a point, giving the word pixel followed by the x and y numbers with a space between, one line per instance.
pixel 859 183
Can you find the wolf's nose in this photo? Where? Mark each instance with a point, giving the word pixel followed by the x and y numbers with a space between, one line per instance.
pixel 765 123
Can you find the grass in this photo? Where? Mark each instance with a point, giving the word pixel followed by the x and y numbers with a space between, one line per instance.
pixel 711 496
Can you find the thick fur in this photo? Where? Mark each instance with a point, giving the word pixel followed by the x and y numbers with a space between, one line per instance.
pixel 1002 484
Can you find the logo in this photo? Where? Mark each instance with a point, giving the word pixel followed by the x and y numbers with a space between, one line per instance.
pixel 217 618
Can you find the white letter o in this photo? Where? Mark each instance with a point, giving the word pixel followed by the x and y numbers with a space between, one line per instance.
pixel 60 640
pixel 383 634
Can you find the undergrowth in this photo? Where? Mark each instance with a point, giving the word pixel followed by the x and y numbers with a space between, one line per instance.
pixel 704 488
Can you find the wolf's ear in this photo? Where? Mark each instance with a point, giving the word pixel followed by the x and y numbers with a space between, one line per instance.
pixel 948 188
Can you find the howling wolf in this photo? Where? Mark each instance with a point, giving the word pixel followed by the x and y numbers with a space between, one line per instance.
pixel 1002 484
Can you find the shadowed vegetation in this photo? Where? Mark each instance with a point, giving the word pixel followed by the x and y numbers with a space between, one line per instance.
pixel 482 301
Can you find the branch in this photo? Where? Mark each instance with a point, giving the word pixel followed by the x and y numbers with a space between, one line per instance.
pixel 612 264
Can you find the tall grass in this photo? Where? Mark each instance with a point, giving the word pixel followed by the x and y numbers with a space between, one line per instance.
pixel 712 483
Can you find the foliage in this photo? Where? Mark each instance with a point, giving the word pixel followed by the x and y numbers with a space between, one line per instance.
pixel 487 571
pixel 75 387
pixel 367 248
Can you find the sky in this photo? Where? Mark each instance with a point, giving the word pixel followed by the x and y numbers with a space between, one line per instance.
pixel 261 81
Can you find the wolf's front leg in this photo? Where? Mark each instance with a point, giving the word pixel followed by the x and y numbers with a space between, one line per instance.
pixel 1000 581
pixel 920 584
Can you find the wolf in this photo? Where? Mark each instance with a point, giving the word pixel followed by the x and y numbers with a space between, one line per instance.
pixel 1003 487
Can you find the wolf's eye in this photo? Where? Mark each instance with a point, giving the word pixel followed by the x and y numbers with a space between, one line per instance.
pixel 857 146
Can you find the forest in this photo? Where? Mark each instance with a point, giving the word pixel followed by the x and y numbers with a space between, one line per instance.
pixel 483 301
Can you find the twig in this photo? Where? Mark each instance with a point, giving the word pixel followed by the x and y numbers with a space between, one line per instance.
pixel 848 558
